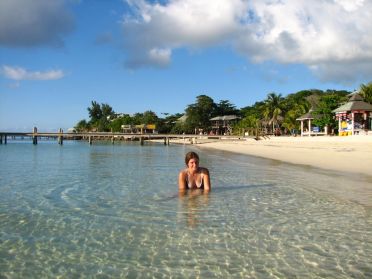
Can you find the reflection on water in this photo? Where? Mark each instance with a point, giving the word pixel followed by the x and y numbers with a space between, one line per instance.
pixel 192 203
pixel 114 212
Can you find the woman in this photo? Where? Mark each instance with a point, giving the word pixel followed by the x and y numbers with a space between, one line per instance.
pixel 193 177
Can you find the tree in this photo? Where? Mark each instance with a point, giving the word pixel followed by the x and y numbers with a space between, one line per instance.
pixel 103 125
pixel 224 107
pixel 100 116
pixel 273 108
pixel 168 124
pixel 95 112
pixel 82 126
pixel 294 106
pixel 116 124
pixel 200 113
pixel 137 118
pixel 323 111
pixel 249 123
pixel 290 120
pixel 149 117
pixel 366 92
pixel 107 111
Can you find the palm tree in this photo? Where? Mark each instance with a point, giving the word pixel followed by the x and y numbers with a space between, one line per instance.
pixel 273 109
pixel 366 92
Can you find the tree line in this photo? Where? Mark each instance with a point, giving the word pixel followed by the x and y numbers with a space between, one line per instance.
pixel 271 114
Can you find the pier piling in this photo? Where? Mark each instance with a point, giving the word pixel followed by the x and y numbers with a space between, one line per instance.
pixel 34 136
pixel 60 137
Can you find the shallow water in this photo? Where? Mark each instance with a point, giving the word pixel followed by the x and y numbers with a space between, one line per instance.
pixel 111 211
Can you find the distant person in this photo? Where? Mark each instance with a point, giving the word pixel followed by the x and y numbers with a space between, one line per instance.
pixel 193 177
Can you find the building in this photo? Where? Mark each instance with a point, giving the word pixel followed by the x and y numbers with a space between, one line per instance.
pixel 307 127
pixel 222 125
pixel 354 117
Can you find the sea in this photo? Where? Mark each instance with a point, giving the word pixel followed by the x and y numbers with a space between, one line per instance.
pixel 113 211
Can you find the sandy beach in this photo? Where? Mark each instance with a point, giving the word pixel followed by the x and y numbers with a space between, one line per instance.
pixel 344 154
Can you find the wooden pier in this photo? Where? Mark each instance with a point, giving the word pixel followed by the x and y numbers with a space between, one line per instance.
pixel 90 137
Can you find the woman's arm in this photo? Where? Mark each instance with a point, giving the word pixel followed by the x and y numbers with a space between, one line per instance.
pixel 182 181
pixel 206 180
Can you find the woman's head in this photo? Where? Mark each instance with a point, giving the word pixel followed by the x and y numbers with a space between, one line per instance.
pixel 191 155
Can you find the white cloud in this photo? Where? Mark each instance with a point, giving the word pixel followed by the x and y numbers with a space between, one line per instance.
pixel 322 34
pixel 160 56
pixel 18 73
pixel 25 23
pixel 186 23
pixel 350 5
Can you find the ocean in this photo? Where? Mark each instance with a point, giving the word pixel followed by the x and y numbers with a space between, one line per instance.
pixel 113 211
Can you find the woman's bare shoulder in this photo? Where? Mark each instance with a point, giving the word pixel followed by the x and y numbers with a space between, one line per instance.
pixel 204 170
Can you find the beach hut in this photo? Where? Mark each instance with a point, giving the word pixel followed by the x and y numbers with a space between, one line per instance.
pixel 307 128
pixel 223 124
pixel 182 119
pixel 354 117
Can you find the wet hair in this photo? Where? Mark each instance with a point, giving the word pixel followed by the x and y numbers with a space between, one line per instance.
pixel 191 155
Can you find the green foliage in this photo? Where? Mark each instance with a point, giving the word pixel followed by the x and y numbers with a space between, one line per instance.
pixel 366 92
pixel 256 110
pixel 273 109
pixel 224 107
pixel 167 125
pixel 295 112
pixel 273 106
pixel 95 112
pixel 107 111
pixel 115 124
pixel 249 122
pixel 283 112
pixel 180 128
pixel 323 111
pixel 149 117
pixel 200 113
pixel 100 116
pixel 277 110
pixel 294 106
pixel 103 125
pixel 82 126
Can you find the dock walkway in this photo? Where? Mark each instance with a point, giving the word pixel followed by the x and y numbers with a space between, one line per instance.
pixel 106 136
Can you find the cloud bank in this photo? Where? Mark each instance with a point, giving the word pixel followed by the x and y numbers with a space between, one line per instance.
pixel 332 38
pixel 25 23
pixel 18 74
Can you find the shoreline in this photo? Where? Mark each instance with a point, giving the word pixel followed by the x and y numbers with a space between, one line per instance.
pixel 342 154
pixel 349 156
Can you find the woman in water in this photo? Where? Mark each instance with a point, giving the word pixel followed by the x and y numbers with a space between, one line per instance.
pixel 193 177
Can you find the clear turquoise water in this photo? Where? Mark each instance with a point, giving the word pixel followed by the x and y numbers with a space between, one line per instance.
pixel 113 211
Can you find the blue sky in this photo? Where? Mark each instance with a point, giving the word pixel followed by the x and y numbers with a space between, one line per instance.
pixel 58 56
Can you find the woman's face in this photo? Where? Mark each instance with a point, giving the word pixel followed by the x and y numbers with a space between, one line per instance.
pixel 193 164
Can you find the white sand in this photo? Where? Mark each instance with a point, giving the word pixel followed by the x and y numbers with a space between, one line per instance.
pixel 345 154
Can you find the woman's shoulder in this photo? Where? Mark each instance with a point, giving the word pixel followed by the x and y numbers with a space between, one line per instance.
pixel 203 170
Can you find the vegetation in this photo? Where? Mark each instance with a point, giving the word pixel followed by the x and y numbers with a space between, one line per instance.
pixel 275 114
pixel 327 103
pixel 366 92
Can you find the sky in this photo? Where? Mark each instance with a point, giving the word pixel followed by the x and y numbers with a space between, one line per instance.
pixel 57 56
